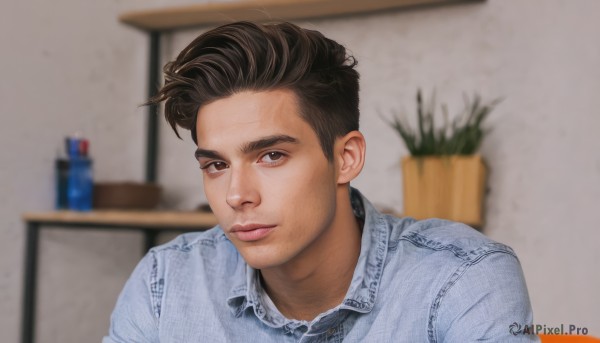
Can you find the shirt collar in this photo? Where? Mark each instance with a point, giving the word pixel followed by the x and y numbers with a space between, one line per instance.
pixel 367 274
pixel 363 289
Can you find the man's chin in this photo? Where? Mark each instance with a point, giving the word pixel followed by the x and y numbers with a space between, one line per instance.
pixel 261 263
pixel 262 259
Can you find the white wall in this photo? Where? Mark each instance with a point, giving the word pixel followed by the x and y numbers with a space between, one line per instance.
pixel 84 71
pixel 66 66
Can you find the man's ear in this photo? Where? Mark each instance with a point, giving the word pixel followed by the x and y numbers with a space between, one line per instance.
pixel 350 156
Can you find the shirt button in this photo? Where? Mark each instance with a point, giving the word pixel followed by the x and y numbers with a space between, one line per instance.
pixel 331 331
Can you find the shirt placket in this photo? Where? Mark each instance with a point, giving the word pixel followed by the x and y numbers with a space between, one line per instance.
pixel 327 329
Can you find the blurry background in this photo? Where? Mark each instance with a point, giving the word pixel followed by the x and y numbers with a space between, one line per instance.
pixel 70 66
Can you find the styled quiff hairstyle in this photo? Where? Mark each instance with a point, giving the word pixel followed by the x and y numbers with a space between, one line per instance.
pixel 245 56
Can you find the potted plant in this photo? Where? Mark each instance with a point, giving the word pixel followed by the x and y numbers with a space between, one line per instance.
pixel 444 177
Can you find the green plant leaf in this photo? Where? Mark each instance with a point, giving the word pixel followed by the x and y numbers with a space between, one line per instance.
pixel 462 136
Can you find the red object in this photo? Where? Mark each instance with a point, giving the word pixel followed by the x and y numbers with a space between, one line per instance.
pixel 84 145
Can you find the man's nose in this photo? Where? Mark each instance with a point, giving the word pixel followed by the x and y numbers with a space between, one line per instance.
pixel 243 189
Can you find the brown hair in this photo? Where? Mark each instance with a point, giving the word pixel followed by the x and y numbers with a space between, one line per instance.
pixel 248 56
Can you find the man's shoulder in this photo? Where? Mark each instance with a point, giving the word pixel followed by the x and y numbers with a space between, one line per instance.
pixel 202 255
pixel 437 235
pixel 189 249
pixel 430 236
pixel 192 240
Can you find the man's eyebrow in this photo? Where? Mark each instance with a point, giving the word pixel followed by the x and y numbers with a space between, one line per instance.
pixel 207 154
pixel 258 144
pixel 267 142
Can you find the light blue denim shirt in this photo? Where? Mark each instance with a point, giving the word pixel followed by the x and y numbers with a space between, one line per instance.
pixel 415 281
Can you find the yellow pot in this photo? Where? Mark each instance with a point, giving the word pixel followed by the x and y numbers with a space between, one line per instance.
pixel 448 187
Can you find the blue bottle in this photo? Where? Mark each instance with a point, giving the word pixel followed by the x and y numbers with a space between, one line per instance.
pixel 80 179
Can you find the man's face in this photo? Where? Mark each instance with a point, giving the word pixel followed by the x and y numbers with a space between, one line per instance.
pixel 265 176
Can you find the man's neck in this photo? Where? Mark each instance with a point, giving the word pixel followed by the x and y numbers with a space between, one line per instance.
pixel 319 279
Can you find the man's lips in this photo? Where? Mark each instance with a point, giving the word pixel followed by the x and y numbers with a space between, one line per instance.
pixel 249 227
pixel 251 232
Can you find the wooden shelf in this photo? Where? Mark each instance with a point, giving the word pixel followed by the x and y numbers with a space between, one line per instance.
pixel 259 10
pixel 150 219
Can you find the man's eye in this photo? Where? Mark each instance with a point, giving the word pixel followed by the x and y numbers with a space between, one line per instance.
pixel 272 157
pixel 214 167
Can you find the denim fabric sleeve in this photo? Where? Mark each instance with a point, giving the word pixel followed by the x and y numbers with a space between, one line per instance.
pixel 134 317
pixel 481 301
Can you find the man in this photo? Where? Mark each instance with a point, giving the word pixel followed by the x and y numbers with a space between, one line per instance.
pixel 298 255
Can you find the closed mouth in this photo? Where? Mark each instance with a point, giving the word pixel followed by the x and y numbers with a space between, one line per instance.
pixel 251 232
